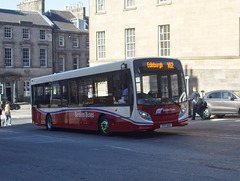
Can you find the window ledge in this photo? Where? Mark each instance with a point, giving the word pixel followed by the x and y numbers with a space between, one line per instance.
pixel 130 8
pixel 100 12
pixel 164 3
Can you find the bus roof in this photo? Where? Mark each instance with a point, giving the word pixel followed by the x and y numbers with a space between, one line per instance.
pixel 87 71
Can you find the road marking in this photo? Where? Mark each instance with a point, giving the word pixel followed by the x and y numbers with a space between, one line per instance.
pixel 236 137
pixel 215 120
pixel 120 148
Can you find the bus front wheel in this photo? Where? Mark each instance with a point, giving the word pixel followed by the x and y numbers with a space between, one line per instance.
pixel 49 125
pixel 103 126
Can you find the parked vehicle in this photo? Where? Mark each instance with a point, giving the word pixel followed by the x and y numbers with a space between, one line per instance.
pixel 222 102
pixel 12 106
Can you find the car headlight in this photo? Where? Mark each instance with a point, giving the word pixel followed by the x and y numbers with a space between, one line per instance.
pixel 184 108
pixel 145 115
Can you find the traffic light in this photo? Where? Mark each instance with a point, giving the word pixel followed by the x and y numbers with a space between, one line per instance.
pixel 1 88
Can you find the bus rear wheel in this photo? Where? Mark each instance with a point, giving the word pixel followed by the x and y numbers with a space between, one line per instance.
pixel 49 125
pixel 103 126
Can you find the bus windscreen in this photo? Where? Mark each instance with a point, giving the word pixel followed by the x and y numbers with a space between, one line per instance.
pixel 159 82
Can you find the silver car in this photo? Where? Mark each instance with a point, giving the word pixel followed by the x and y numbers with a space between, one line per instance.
pixel 221 102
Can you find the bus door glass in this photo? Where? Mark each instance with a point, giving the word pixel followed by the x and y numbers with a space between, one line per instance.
pixel 73 93
pixel 64 93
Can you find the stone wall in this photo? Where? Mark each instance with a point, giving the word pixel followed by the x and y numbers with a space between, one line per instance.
pixel 204 35
pixel 78 11
pixel 32 5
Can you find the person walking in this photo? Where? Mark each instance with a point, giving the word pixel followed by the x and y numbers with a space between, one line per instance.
pixel 7 114
pixel 195 98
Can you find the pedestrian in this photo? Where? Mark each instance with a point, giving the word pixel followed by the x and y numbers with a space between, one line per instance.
pixel 7 114
pixel 195 98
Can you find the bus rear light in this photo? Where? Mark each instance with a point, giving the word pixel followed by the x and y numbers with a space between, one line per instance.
pixel 145 115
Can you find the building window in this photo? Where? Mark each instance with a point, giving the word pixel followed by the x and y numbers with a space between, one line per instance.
pixel 130 43
pixel 75 42
pixel 8 57
pixel 43 57
pixel 26 57
pixel 75 63
pixel 164 40
pixel 26 34
pixel 61 66
pixel 8 32
pixel 101 45
pixel 87 43
pixel 129 3
pixel 100 5
pixel 61 41
pixel 42 34
pixel 26 89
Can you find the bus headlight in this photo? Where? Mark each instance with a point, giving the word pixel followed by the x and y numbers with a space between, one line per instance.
pixel 145 115
pixel 184 108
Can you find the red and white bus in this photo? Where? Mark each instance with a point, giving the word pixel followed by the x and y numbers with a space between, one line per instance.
pixel 130 95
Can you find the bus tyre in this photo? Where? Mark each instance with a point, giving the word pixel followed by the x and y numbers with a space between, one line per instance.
pixel 49 125
pixel 103 126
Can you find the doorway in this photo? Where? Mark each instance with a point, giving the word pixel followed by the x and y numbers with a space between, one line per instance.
pixel 8 91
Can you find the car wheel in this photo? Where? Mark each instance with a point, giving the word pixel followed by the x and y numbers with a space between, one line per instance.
pixel 49 125
pixel 103 126
pixel 206 113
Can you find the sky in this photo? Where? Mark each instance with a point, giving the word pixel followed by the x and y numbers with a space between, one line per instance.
pixel 49 4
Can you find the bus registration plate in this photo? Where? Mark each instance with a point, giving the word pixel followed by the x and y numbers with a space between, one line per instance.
pixel 166 125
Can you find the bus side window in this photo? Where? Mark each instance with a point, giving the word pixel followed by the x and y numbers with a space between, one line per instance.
pixel 64 93
pixel 85 91
pixel 102 95
pixel 73 93
pixel 117 89
pixel 37 95
pixel 56 95
pixel 122 87
pixel 47 94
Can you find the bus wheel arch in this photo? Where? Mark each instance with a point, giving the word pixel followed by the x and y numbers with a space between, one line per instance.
pixel 103 125
pixel 49 123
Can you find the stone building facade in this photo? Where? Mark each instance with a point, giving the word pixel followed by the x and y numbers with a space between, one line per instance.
pixel 25 51
pixel 34 43
pixel 203 35
pixel 70 41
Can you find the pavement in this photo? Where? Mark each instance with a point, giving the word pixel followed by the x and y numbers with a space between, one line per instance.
pixel 21 116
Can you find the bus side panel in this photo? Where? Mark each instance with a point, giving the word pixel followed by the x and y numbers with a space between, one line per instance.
pixel 38 118
pixel 85 120
pixel 60 119
pixel 118 124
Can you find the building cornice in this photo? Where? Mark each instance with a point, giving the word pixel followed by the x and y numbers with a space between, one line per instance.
pixel 208 58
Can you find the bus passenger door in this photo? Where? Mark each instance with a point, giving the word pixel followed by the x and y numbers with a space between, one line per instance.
pixel 64 102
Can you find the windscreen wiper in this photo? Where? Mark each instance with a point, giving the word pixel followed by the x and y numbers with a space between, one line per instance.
pixel 176 103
